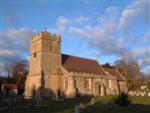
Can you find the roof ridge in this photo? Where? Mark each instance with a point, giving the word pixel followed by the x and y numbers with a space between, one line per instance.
pixel 120 74
pixel 100 66
pixel 80 57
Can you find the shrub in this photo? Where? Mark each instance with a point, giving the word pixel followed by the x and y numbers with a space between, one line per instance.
pixel 122 100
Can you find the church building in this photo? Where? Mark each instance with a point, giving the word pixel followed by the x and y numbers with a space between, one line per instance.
pixel 53 74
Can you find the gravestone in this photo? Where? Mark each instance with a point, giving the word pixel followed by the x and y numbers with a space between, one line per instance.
pixel 137 94
pixel 56 98
pixel 92 101
pixel 82 105
pixel 77 109
pixel 143 94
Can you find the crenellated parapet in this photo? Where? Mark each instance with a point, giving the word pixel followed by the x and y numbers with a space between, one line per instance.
pixel 46 35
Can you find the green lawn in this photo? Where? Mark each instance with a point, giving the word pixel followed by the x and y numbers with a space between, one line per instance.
pixel 139 105
pixel 102 105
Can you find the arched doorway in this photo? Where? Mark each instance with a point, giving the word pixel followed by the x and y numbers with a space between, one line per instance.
pixel 33 92
pixel 99 89
pixel 59 94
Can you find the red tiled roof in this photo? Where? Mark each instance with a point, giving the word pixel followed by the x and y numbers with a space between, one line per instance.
pixel 113 71
pixel 10 86
pixel 78 64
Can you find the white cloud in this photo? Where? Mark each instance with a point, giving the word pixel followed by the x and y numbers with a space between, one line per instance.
pixel 142 54
pixel 81 19
pixel 147 60
pixel 62 21
pixel 58 30
pixel 133 12
pixel 14 43
pixel 105 37
pixel 62 25
pixel 107 40
pixel 102 38
pixel 78 31
pixel 6 53
pixel 135 22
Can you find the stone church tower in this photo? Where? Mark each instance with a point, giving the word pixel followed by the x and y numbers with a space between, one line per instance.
pixel 45 54
pixel 45 62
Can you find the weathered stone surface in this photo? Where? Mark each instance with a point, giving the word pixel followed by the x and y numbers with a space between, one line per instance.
pixel 142 91
pixel 48 78
pixel 143 87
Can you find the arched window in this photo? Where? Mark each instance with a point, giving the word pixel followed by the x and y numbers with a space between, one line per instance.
pixel 66 83
pixel 34 55
pixel 87 85
pixel 50 47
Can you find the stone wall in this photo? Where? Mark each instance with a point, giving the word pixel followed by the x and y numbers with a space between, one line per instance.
pixel 32 87
pixel 97 84
pixel 113 89
pixel 142 91
pixel 123 86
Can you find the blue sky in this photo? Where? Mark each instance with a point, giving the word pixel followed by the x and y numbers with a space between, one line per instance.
pixel 122 28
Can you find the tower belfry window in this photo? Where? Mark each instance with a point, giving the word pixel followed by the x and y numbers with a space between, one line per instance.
pixel 34 55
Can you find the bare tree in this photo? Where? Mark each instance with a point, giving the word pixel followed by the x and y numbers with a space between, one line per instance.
pixel 18 71
pixel 131 70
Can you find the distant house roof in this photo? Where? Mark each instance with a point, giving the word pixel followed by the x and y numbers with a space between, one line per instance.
pixel 78 64
pixel 10 86
pixel 115 72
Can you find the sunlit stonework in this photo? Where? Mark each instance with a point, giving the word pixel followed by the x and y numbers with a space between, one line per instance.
pixel 52 74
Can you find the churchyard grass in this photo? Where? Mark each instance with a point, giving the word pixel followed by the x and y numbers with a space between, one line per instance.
pixel 101 105
pixel 138 105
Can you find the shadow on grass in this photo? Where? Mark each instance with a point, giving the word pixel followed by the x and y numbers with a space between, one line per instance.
pixel 52 106
pixel 102 105
pixel 66 105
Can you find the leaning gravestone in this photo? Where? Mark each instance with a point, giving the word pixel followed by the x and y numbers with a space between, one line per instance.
pixel 92 101
pixel 56 98
pixel 81 105
pixel 77 109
